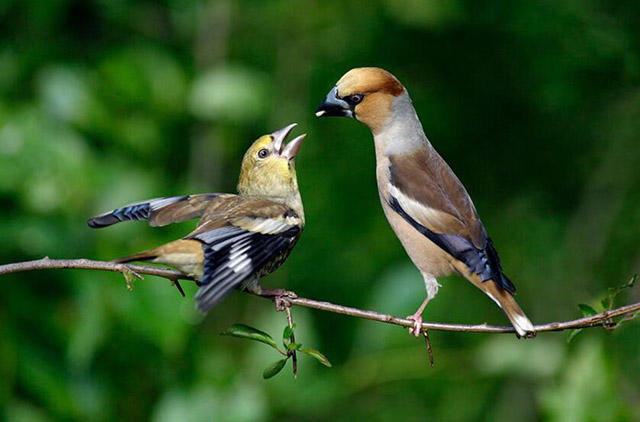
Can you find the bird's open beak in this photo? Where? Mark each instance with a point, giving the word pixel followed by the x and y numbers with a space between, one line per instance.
pixel 291 149
pixel 333 105
pixel 280 135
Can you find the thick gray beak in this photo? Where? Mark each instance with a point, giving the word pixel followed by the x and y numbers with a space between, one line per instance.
pixel 293 147
pixel 333 105
pixel 279 136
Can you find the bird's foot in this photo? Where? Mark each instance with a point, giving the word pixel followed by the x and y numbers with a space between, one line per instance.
pixel 417 323
pixel 279 296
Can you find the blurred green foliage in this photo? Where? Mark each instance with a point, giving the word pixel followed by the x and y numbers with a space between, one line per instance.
pixel 536 106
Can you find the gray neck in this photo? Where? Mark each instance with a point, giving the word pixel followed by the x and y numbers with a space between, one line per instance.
pixel 403 131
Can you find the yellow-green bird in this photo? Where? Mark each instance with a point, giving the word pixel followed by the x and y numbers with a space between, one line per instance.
pixel 239 238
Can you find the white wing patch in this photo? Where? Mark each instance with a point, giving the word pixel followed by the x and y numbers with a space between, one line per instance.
pixel 238 257
pixel 273 225
pixel 429 217
pixel 236 253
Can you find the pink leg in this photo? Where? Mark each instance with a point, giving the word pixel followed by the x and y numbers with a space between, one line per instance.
pixel 417 317
pixel 278 295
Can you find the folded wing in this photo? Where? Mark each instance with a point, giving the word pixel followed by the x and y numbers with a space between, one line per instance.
pixel 255 242
pixel 428 195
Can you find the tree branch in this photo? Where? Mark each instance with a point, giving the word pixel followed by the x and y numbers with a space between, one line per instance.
pixel 603 319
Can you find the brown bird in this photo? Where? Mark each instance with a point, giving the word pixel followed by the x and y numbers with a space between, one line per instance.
pixel 425 203
pixel 239 238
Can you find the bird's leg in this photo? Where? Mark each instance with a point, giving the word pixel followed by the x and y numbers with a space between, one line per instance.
pixel 431 285
pixel 417 318
pixel 278 295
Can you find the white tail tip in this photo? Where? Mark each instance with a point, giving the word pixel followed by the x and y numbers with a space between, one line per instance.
pixel 523 326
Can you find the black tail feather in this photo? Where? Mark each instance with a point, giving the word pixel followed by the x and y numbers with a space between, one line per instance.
pixel 494 264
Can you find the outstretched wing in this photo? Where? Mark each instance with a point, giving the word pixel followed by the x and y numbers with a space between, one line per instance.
pixel 159 211
pixel 252 244
pixel 428 195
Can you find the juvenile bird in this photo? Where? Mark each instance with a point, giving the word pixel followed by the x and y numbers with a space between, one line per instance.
pixel 239 238
pixel 423 200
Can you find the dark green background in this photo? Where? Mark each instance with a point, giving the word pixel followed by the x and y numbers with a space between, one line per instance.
pixel 535 105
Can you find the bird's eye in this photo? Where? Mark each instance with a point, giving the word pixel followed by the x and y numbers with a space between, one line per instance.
pixel 355 98
pixel 263 153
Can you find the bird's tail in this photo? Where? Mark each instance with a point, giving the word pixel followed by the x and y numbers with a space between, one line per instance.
pixel 183 254
pixel 503 298
pixel 522 324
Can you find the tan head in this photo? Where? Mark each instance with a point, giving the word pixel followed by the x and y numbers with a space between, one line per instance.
pixel 364 93
pixel 268 166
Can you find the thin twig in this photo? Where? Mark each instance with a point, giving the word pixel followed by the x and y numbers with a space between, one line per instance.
pixel 598 320
pixel 292 339
pixel 427 341
pixel 179 287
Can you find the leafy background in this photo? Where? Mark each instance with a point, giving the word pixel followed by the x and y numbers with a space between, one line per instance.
pixel 534 104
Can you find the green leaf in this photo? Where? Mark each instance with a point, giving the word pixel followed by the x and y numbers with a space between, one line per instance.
pixel 587 310
pixel 572 334
pixel 613 292
pixel 294 346
pixel 249 333
pixel 286 334
pixel 274 368
pixel 317 355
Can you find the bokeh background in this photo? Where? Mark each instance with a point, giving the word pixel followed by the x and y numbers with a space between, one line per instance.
pixel 535 105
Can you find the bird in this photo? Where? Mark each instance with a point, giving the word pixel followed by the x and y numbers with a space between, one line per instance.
pixel 425 203
pixel 239 238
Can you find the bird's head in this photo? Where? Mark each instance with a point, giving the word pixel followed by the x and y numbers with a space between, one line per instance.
pixel 268 166
pixel 367 94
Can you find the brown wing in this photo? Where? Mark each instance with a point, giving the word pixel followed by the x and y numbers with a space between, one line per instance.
pixel 193 206
pixel 426 193
pixel 160 211
pixel 249 213
pixel 429 191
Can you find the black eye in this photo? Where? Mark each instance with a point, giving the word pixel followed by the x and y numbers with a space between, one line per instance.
pixel 355 98
pixel 263 153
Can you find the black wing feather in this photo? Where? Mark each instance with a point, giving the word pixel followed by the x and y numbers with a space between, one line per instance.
pixel 233 255
pixel 144 210
pixel 484 262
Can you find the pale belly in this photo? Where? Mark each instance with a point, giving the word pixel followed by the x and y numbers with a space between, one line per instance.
pixel 426 255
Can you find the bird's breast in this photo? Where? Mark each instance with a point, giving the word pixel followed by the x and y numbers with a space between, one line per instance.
pixel 426 255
